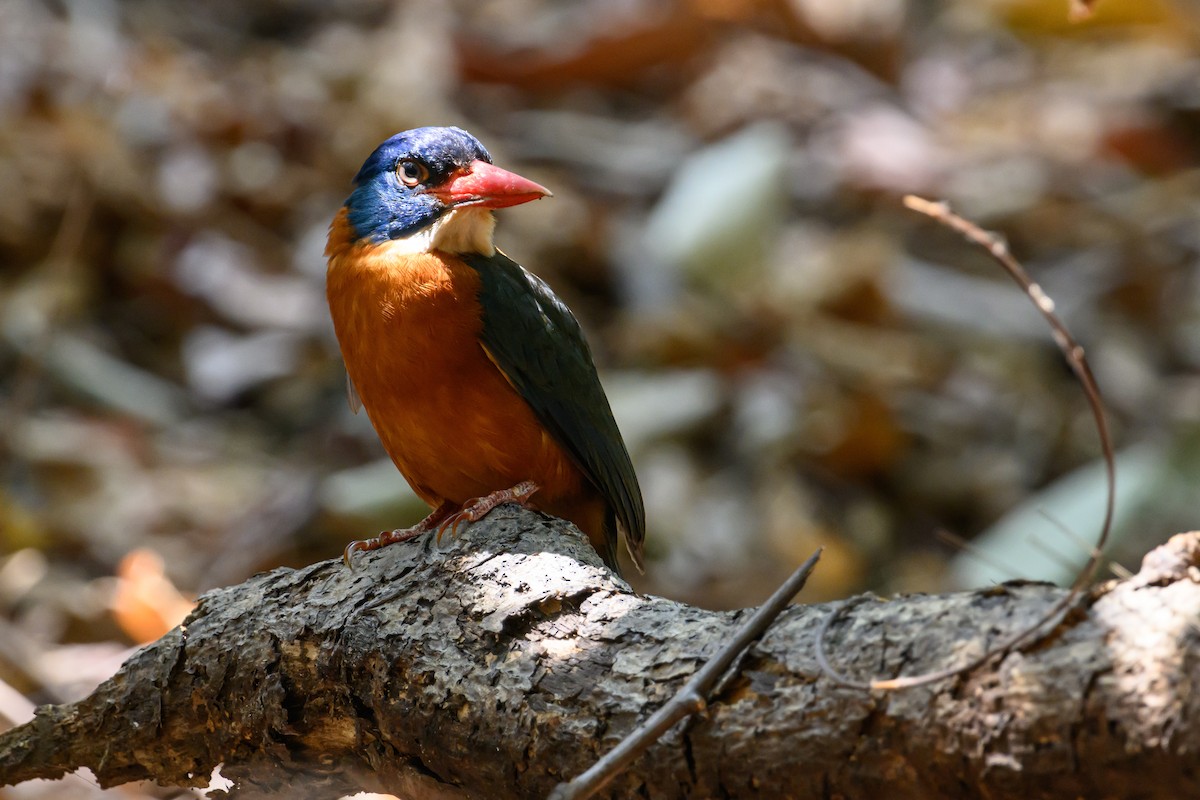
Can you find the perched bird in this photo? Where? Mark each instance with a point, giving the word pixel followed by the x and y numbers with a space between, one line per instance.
pixel 475 375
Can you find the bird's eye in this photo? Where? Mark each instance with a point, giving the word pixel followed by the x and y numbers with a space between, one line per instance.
pixel 411 172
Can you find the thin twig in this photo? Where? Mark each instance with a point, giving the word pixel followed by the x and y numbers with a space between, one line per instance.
pixel 1074 355
pixel 1084 545
pixel 1060 560
pixel 976 552
pixel 688 700
pixel 1120 570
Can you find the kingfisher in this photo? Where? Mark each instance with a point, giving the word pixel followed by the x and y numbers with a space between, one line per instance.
pixel 476 377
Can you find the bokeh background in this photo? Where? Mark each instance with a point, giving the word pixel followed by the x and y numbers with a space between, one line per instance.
pixel 795 359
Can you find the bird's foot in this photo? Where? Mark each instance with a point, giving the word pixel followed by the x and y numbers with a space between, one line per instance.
pixel 477 509
pixel 385 538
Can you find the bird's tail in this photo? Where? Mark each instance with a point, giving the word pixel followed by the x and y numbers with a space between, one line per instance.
pixel 611 538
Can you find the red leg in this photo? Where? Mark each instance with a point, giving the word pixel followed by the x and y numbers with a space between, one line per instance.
pixel 401 534
pixel 477 509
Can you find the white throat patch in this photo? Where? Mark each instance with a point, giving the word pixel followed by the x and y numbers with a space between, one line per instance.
pixel 461 230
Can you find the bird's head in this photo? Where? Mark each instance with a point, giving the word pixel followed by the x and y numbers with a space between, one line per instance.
pixel 433 189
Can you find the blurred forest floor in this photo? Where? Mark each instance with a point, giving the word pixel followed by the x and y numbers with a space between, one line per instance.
pixel 794 358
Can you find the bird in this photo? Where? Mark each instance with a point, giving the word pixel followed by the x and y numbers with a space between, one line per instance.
pixel 475 375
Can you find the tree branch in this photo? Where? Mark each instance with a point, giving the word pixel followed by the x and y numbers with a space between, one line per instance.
pixel 511 659
pixel 692 697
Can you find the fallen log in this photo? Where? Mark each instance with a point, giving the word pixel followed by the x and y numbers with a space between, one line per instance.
pixel 509 659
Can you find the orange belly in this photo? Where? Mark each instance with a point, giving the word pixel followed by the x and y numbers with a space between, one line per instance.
pixel 408 327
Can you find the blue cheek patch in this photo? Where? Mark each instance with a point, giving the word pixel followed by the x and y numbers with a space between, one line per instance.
pixel 378 212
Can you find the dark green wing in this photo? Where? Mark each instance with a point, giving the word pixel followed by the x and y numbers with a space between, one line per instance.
pixel 536 341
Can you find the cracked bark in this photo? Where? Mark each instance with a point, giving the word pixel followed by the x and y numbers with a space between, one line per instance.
pixel 510 659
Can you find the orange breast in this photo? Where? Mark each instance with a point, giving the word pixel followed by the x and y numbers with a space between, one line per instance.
pixel 408 326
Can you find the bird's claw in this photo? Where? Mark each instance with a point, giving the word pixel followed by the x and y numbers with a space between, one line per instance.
pixel 349 551
pixel 382 540
pixel 443 517
pixel 480 507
